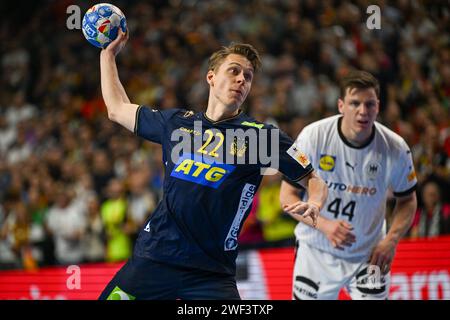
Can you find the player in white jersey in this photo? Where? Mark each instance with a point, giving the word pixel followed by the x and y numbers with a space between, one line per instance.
pixel 361 162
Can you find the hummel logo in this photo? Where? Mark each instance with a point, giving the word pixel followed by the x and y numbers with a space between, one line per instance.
pixel 349 165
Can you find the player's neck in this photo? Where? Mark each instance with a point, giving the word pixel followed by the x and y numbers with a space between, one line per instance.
pixel 354 138
pixel 216 113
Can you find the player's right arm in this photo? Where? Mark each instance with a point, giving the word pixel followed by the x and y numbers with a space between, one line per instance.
pixel 292 204
pixel 119 107
pixel 338 232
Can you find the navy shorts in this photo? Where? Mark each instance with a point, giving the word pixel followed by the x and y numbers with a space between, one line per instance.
pixel 145 279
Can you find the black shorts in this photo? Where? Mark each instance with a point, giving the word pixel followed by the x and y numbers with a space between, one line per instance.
pixel 145 279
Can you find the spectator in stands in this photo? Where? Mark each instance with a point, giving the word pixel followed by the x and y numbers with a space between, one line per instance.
pixel 102 171
pixel 42 242
pixel 141 200
pixel 16 230
pixel 433 216
pixel 94 238
pixel 66 221
pixel 430 154
pixel 114 216
pixel 278 227
pixel 19 110
pixel 8 134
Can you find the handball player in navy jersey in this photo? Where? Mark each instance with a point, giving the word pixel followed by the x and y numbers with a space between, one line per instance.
pixel 188 246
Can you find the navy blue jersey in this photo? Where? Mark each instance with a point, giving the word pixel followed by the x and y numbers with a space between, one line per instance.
pixel 206 196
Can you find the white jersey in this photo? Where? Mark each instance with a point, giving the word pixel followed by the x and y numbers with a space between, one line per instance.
pixel 358 179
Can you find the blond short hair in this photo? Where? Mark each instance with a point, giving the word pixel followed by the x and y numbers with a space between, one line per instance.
pixel 243 49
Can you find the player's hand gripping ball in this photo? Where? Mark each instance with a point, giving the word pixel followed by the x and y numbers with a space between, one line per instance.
pixel 101 24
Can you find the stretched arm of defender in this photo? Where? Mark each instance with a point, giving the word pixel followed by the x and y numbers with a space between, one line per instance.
pixel 120 109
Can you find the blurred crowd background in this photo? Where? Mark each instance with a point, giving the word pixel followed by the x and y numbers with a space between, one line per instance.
pixel 75 187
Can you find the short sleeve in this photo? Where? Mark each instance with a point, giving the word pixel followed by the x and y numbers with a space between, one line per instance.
pixel 294 163
pixel 403 180
pixel 150 123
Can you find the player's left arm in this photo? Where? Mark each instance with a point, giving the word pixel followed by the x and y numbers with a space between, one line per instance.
pixel 403 215
pixel 297 167
pixel 403 179
pixel 317 195
pixel 404 211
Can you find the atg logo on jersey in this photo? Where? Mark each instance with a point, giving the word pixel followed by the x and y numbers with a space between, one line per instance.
pixel 201 170
pixel 327 162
